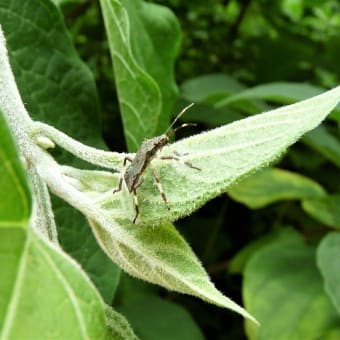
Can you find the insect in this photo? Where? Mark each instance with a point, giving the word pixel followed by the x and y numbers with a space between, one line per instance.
pixel 133 174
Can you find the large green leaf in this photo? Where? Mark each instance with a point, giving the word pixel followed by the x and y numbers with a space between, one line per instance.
pixel 238 263
pixel 324 209
pixel 15 210
pixel 43 293
pixel 15 206
pixel 50 296
pixel 59 89
pixel 285 93
pixel 227 154
pixel 211 86
pixel 273 185
pixel 328 262
pixel 153 318
pixel 55 85
pixel 326 144
pixel 281 93
pixel 144 40
pixel 159 256
pixel 284 290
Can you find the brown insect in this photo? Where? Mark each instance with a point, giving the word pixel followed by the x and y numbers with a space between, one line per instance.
pixel 133 174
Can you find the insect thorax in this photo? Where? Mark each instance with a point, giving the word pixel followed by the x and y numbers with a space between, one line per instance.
pixel 142 159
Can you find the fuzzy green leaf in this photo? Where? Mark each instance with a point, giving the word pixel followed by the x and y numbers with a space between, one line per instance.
pixel 227 154
pixel 159 256
pixel 118 325
pixel 144 41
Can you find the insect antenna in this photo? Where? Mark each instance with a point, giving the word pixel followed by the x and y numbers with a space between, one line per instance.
pixel 183 126
pixel 178 117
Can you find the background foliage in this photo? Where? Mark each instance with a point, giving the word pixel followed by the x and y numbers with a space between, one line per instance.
pixel 271 242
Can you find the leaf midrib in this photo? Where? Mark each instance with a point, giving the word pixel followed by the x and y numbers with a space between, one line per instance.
pixel 14 300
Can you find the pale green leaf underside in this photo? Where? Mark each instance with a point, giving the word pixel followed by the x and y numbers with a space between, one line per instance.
pixel 284 290
pixel 118 325
pixel 227 154
pixel 161 256
pixel 273 185
pixel 155 254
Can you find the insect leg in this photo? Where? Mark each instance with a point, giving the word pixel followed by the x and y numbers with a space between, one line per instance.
pixel 176 153
pixel 119 188
pixel 160 188
pixel 135 202
pixel 176 158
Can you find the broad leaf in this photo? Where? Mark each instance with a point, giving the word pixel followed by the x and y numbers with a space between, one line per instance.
pixel 153 318
pixel 15 210
pixel 15 207
pixel 52 80
pixel 48 286
pixel 160 256
pixel 281 93
pixel 59 89
pixel 118 325
pixel 210 86
pixel 227 154
pixel 43 293
pixel 284 290
pixel 325 210
pixel 144 41
pixel 323 142
pixel 328 262
pixel 238 263
pixel 272 185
